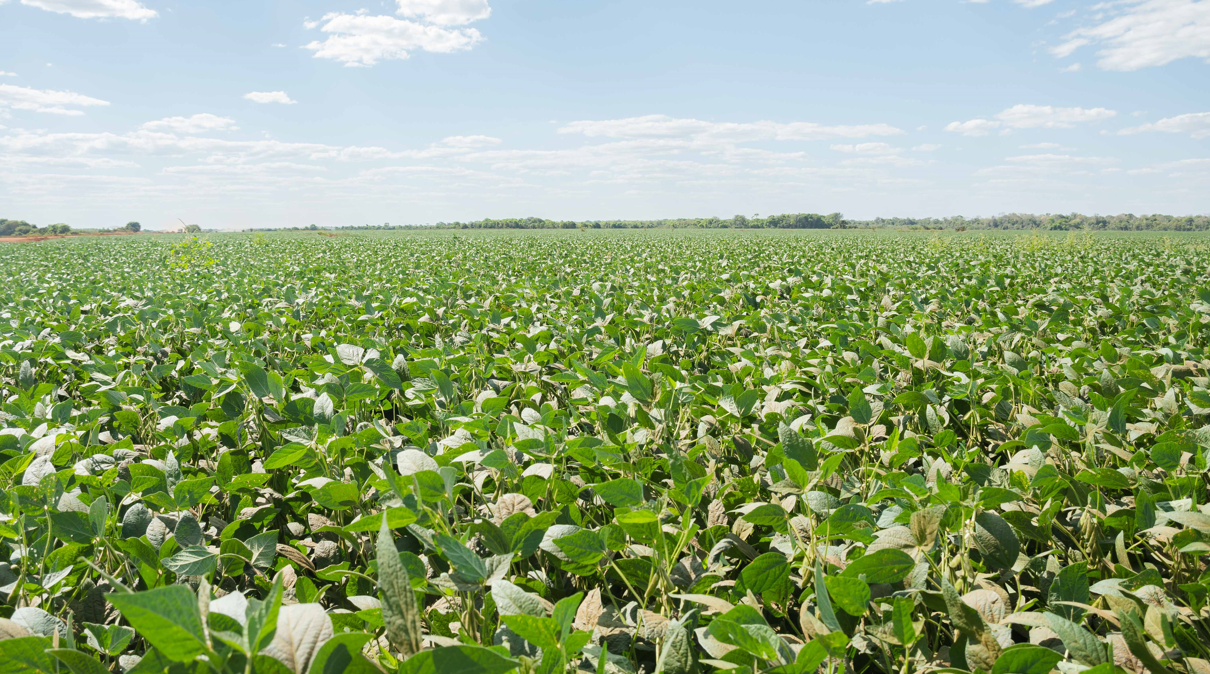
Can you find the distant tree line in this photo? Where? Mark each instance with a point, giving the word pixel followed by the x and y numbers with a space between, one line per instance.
pixel 1013 221
pixel 1126 222
pixel 23 228
pixel 787 221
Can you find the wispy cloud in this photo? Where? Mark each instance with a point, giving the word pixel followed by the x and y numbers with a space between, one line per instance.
pixel 269 97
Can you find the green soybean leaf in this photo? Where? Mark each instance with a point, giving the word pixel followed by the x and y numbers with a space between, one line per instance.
pixel 399 609
pixel 887 565
pixel 623 492
pixel 459 659
pixel 850 594
pixel 167 617
pixel 768 572
pixel 1026 659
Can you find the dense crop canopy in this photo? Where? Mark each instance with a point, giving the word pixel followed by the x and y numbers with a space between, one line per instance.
pixel 616 452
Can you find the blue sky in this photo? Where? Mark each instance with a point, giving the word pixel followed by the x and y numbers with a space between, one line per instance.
pixel 290 112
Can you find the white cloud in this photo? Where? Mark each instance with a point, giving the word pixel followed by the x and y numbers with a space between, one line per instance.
pixel 54 102
pixel 6 74
pixel 1048 170
pixel 1058 160
pixel 200 123
pixel 1196 124
pixel 1048 117
pixel 886 160
pixel 1073 68
pixel 363 40
pixel 1033 3
pixel 1142 33
pixel 279 45
pixel 926 147
pixel 663 126
pixel 269 97
pixel 867 148
pixel 469 141
pixel 445 12
pixel 1031 117
pixel 96 9
pixel 974 127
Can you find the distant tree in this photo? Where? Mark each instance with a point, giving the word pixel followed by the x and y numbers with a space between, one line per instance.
pixel 9 227
pixel 192 229
pixel 133 226
pixel 25 229
pixel 59 229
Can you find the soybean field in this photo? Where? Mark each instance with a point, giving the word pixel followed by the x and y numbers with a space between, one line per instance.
pixel 611 452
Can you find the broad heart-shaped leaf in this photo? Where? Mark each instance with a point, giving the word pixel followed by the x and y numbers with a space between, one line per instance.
pixel 962 615
pixel 98 512
pixel 512 600
pixel 78 662
pixel 859 407
pixel 768 573
pixel 924 525
pixel 623 492
pixel 916 346
pixel 302 629
pixel 167 617
pixel 1026 659
pixel 1082 644
pixel 256 379
pixel 399 610
pixel 469 565
pixel 996 540
pixel 397 518
pixel 172 471
pixel 189 493
pixel 192 561
pixel 583 547
pixel 264 548
pixel 850 594
pixel 337 495
pixel 564 614
pixel 324 408
pixel 188 532
pixel 384 372
pixel 887 565
pixel 677 652
pixel 72 526
pixel 1069 585
pixel 26 655
pixel 108 639
pixel 541 632
pixel 1133 634
pixel 796 447
pixel 637 383
pixel 901 620
pixel 342 655
pixel 757 640
pixel 458 660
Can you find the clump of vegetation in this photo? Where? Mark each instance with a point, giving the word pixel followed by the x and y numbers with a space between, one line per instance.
pixel 191 254
pixel 660 452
